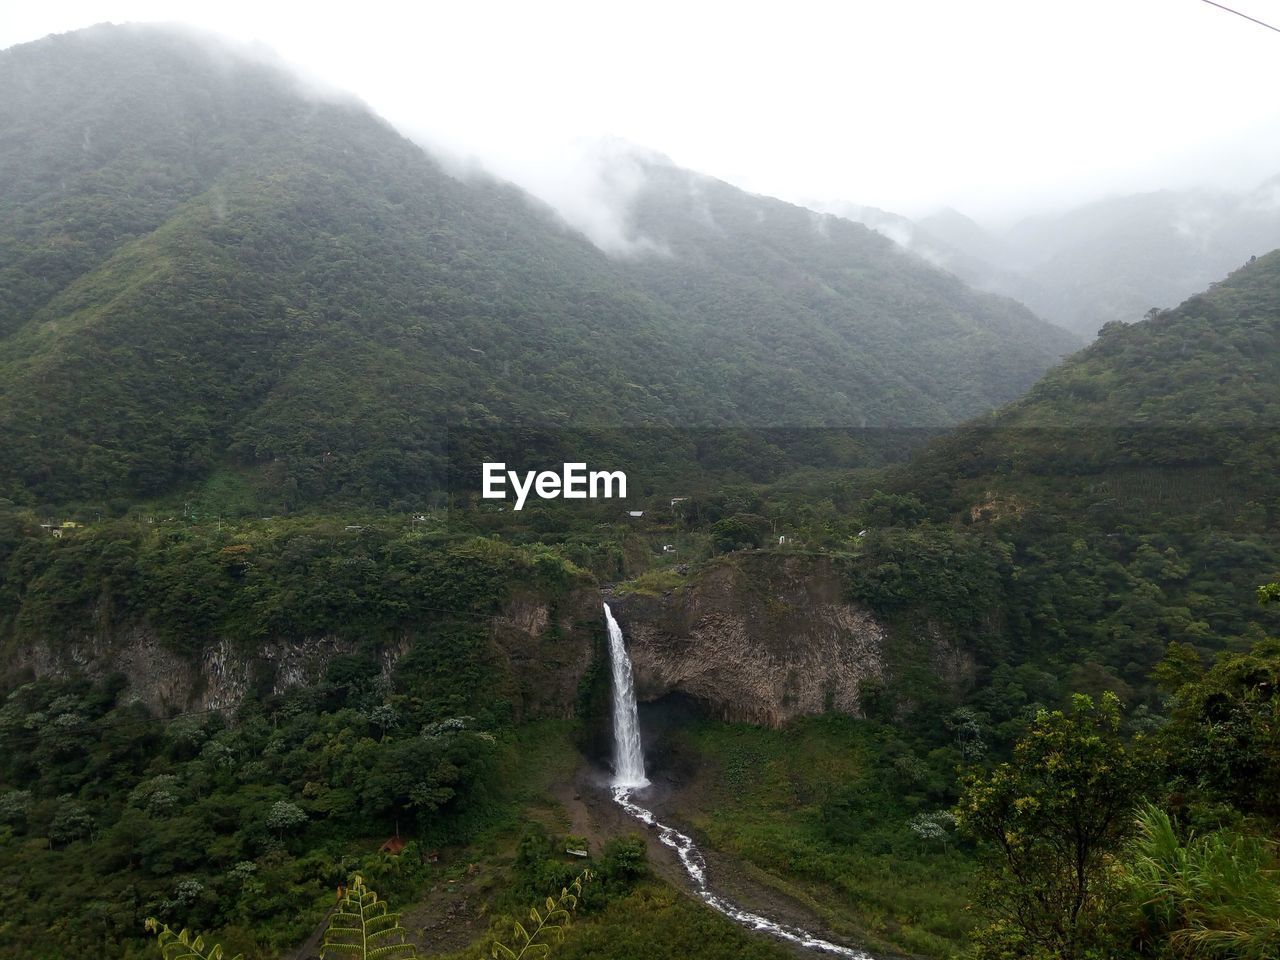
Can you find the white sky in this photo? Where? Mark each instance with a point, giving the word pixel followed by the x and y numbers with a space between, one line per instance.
pixel 996 107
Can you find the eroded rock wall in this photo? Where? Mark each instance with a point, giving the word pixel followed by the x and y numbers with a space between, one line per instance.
pixel 540 650
pixel 759 638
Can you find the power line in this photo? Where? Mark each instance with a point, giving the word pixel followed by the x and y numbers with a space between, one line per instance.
pixel 1261 23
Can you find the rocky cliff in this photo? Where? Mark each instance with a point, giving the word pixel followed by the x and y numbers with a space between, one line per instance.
pixel 754 637
pixel 539 650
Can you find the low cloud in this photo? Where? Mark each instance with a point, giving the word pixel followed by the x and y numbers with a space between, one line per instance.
pixel 592 183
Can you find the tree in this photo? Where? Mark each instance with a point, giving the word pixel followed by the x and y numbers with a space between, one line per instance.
pixel 930 827
pixel 1224 738
pixel 893 510
pixel 284 816
pixel 1049 824
pixel 70 822
pixel 739 532
pixel 385 718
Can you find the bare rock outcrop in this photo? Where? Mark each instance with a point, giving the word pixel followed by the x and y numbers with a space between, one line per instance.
pixel 759 638
pixel 540 651
pixel 545 649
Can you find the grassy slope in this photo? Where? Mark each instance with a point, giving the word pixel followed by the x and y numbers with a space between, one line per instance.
pixel 812 807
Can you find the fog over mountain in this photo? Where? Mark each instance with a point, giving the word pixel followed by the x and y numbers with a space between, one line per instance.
pixel 982 107
pixel 1061 170
pixel 631 483
pixel 1110 260
pixel 204 264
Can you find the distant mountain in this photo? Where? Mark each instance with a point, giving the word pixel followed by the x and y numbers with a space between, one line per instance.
pixel 1113 259
pixel 1117 258
pixel 963 235
pixel 1134 486
pixel 208 270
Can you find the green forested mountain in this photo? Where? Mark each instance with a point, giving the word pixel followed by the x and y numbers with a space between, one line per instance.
pixel 1131 494
pixel 747 269
pixel 1204 371
pixel 205 267
pixel 220 286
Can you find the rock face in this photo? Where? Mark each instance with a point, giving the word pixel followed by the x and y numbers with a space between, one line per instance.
pixel 754 637
pixel 544 650
pixel 219 678
pixel 540 653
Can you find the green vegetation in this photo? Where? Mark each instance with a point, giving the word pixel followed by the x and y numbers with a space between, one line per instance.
pixel 253 582
pixel 1078 867
pixel 1215 895
pixel 299 298
pixel 1224 729
pixel 240 828
pixel 221 299
pixel 1052 821
pixel 840 815
pixel 658 923
pixel 545 928
pixel 361 927
pixel 1127 502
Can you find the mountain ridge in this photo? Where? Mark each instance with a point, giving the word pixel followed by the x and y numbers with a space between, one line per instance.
pixel 207 271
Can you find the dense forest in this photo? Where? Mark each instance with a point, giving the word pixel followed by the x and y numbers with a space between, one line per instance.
pixel 220 271
pixel 266 651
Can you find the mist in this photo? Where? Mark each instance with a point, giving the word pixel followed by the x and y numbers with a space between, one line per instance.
pixel 591 183
pixel 1001 110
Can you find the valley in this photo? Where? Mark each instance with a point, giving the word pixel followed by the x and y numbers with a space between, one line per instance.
pixel 392 567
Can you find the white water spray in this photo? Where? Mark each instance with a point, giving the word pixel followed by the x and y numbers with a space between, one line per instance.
pixel 628 767
pixel 628 751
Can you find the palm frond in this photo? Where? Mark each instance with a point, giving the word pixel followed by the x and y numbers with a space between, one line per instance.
pixel 183 945
pixel 363 928
pixel 548 928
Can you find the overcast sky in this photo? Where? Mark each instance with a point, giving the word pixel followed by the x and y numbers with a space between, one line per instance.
pixel 995 107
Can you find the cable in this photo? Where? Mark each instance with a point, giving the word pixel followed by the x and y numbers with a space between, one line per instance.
pixel 1260 23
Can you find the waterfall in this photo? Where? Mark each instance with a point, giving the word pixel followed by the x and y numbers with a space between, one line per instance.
pixel 628 751
pixel 628 776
